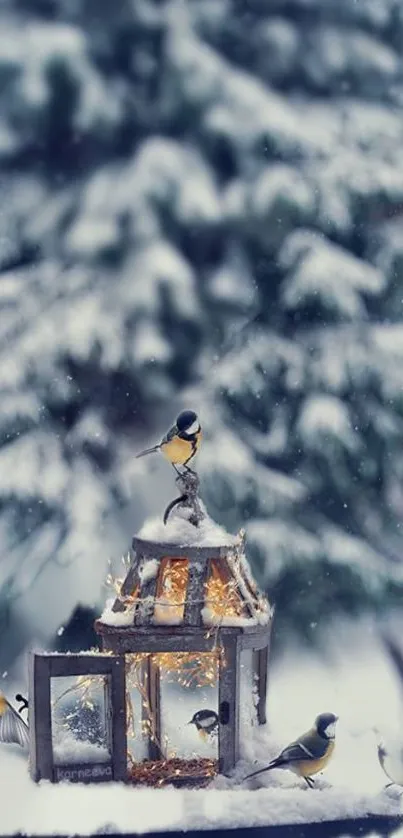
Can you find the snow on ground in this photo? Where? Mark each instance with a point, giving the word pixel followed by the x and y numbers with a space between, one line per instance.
pixel 353 680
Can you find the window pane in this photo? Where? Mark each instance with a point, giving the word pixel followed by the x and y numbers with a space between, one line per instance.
pixel 189 707
pixel 222 598
pixel 171 591
pixel 138 708
pixel 79 723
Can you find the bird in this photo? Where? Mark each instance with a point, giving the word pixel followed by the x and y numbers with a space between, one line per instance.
pixel 310 753
pixel 206 722
pixel 12 726
pixel 181 443
pixel 391 762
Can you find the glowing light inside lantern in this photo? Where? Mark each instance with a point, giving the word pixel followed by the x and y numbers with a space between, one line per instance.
pixel 114 583
pixel 188 669
pixel 171 591
pixel 222 593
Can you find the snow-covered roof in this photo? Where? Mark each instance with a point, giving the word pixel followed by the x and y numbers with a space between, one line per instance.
pixel 178 530
pixel 222 594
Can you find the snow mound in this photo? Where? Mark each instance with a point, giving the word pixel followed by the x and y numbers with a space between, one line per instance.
pixel 116 618
pixel 181 532
pixel 68 750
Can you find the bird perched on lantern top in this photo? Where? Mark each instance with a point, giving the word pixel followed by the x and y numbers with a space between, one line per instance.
pixel 12 726
pixel 310 753
pixel 206 722
pixel 182 441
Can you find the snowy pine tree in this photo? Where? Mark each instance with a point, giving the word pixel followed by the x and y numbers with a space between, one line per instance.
pixel 170 173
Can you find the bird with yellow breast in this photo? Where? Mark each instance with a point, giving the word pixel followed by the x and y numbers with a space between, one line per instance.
pixel 310 753
pixel 181 443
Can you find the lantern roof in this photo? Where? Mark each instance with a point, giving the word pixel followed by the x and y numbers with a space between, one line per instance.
pixel 185 575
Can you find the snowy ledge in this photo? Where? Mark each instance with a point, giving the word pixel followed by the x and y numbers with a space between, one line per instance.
pixel 212 619
pixel 165 615
pixel 67 808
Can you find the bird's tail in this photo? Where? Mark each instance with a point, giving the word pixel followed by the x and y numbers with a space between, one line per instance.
pixel 148 451
pixel 275 763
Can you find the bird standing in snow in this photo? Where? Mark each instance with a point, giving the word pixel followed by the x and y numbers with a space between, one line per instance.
pixel 12 726
pixel 206 722
pixel 182 441
pixel 310 753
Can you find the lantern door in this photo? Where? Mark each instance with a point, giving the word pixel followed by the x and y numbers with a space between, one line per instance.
pixel 77 717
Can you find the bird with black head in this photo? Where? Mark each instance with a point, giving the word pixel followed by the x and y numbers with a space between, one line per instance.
pixel 181 443
pixel 310 753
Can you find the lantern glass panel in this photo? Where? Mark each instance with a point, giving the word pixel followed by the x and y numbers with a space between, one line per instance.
pixel 169 608
pixel 222 598
pixel 248 693
pixel 138 710
pixel 80 731
pixel 188 683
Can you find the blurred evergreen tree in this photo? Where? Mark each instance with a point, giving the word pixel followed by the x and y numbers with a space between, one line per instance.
pixel 174 174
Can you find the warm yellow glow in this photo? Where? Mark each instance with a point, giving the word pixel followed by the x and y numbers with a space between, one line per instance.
pixel 199 669
pixel 189 669
pixel 157 773
pixel 229 591
pixel 137 671
pixel 114 583
pixel 171 591
pixel 222 596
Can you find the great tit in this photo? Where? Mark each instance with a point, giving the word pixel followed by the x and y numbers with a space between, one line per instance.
pixel 391 761
pixel 310 753
pixel 12 726
pixel 182 441
pixel 206 722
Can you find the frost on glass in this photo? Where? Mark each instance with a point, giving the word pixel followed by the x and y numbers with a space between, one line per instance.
pixel 79 719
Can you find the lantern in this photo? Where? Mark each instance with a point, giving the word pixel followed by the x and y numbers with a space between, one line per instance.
pixel 182 675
